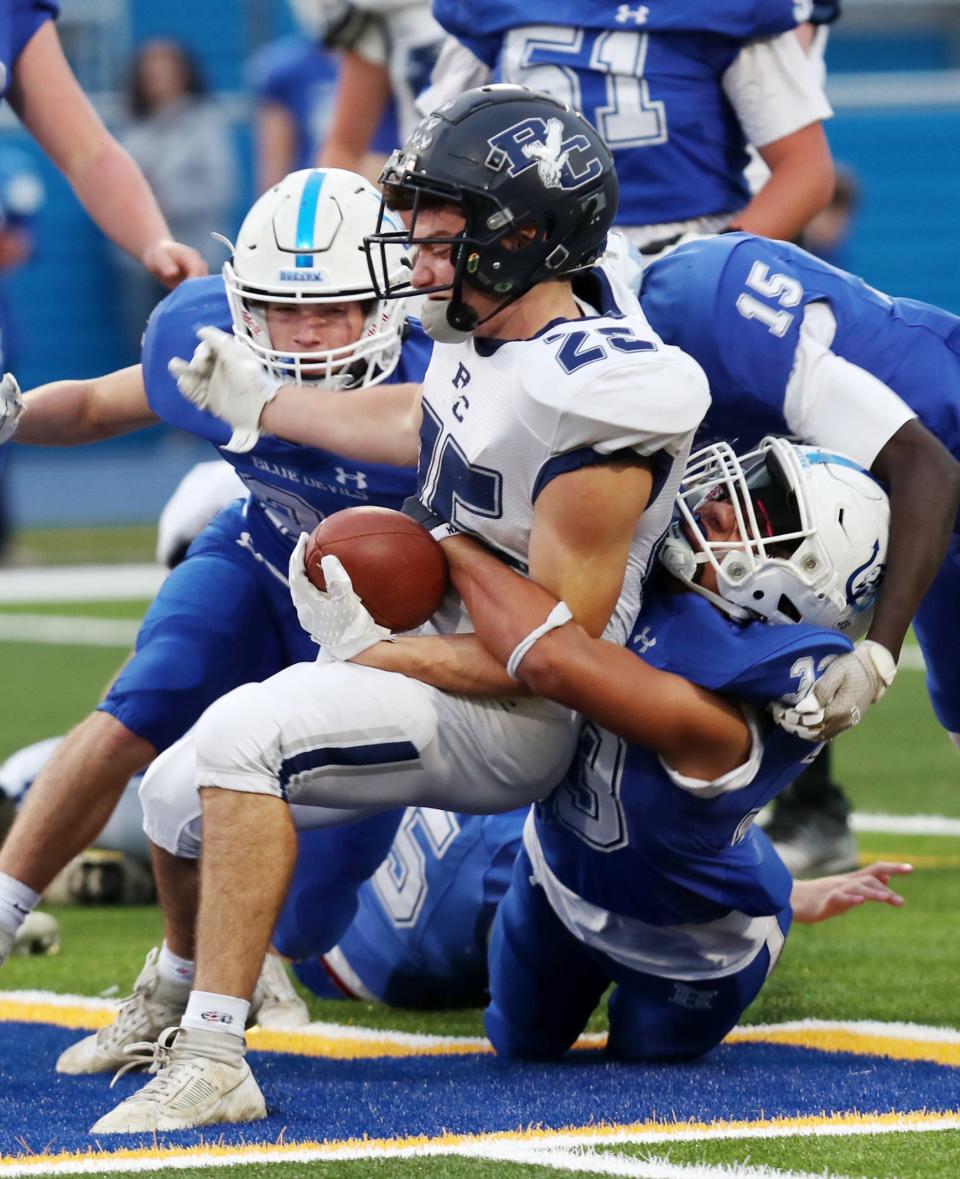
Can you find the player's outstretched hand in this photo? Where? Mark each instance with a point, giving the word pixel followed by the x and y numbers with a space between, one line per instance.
pixel 226 379
pixel 12 406
pixel 831 896
pixel 841 695
pixel 171 262
pixel 334 618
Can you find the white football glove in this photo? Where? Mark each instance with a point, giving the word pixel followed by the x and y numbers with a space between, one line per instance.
pixel 841 695
pixel 225 378
pixel 334 618
pixel 12 407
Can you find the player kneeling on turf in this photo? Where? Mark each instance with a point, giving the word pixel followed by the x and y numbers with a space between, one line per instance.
pixel 644 868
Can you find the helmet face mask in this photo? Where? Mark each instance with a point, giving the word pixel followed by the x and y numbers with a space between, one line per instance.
pixel 533 181
pixel 813 531
pixel 302 244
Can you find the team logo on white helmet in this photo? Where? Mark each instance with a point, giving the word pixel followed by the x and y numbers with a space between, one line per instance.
pixel 302 243
pixel 813 526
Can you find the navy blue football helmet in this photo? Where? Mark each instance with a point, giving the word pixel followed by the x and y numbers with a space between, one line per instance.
pixel 534 181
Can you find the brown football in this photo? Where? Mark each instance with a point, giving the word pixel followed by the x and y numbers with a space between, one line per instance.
pixel 398 570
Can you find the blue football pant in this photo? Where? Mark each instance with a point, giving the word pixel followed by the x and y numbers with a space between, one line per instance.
pixel 937 626
pixel 544 985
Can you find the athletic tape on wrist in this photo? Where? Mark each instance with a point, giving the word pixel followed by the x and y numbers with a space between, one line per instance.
pixel 557 617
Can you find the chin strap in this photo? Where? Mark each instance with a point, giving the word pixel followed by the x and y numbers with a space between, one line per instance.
pixel 681 562
pixel 447 321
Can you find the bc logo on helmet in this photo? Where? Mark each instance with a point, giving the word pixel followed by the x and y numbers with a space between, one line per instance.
pixel 534 142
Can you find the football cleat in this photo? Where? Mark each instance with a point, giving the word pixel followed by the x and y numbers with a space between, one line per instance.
pixel 275 1002
pixel 812 842
pixel 99 877
pixel 39 934
pixel 188 1089
pixel 142 1016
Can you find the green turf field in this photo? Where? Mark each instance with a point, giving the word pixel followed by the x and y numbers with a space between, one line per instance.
pixel 873 964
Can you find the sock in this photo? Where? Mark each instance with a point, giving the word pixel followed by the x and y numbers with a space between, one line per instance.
pixel 176 972
pixel 221 1014
pixel 16 902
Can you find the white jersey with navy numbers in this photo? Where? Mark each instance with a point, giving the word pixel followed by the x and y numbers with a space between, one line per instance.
pixel 502 419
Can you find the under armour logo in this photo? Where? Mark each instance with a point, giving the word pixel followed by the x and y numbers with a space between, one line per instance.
pixel 643 642
pixel 638 15
pixel 357 477
pixel 691 998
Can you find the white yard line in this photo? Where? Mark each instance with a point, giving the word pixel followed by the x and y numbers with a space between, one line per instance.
pixel 80 583
pixel 62 630
pixel 588 1162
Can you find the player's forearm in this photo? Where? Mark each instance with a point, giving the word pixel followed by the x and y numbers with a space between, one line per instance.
pixel 459 664
pixel 800 185
pixel 70 413
pixel 362 96
pixel 701 734
pixel 118 198
pixel 378 425
pixel 923 481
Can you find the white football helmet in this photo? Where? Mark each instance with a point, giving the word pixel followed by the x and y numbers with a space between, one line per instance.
pixel 302 242
pixel 814 528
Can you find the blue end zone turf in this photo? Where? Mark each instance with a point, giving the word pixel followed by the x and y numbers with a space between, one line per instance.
pixel 314 1098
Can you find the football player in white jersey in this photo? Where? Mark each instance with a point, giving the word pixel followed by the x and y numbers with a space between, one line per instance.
pixel 554 425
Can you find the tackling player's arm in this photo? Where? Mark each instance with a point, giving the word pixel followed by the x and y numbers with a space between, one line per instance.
pixel 69 413
pixel 923 481
pixel 698 733
pixel 583 526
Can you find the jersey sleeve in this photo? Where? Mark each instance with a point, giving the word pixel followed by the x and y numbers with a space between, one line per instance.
pixel 649 403
pixel 734 303
pixel 775 89
pixel 832 403
pixel 782 662
pixel 26 17
pixel 172 331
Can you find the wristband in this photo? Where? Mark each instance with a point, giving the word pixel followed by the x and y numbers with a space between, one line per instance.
pixel 560 614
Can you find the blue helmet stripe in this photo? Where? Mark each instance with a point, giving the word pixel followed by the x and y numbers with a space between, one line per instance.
pixel 839 460
pixel 308 215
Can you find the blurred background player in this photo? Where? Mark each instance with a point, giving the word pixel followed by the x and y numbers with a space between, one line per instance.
pixel 296 292
pixel 182 144
pixel 677 93
pixel 294 81
pixel 387 48
pixel 21 196
pixel 793 345
pixel 645 868
pixel 40 87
